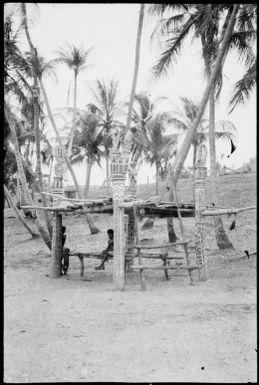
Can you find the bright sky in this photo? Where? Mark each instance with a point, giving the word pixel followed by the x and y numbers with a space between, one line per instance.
pixel 112 29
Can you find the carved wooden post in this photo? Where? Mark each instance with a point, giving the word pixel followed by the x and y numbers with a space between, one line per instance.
pixel 118 170
pixel 56 251
pixel 132 225
pixel 200 175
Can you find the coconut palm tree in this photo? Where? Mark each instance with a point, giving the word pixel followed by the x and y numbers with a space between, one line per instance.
pixel 107 109
pixel 87 142
pixel 224 129
pixel 40 72
pixel 157 148
pixel 10 122
pixel 204 19
pixel 128 134
pixel 76 59
pixel 244 86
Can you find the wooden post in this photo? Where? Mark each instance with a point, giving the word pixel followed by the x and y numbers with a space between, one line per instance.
pixel 132 225
pixel 199 185
pixel 56 251
pixel 118 173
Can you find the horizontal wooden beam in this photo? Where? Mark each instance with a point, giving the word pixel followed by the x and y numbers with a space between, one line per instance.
pixel 85 201
pixel 208 213
pixel 165 267
pixel 166 245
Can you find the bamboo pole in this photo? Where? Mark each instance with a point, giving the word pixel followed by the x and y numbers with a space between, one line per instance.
pixel 207 213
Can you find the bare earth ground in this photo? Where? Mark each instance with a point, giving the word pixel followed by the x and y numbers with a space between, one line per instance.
pixel 68 329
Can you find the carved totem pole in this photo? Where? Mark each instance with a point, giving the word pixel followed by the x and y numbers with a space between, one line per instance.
pixel 118 170
pixel 200 175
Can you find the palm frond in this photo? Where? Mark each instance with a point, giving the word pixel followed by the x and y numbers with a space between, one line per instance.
pixel 243 88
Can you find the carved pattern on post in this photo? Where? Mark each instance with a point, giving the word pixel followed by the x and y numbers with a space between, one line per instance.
pixel 200 175
pixel 118 168
pixel 56 251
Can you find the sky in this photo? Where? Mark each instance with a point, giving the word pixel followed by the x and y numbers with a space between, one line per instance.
pixel 111 29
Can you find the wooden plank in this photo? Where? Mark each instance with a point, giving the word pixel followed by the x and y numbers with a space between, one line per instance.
pixel 166 245
pixel 165 267
pixel 86 201
pixel 151 256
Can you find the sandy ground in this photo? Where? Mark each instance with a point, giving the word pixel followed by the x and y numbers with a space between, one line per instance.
pixel 68 329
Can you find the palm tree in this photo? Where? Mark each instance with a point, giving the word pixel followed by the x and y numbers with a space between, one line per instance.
pixel 9 120
pixel 128 135
pixel 247 35
pixel 87 142
pixel 205 21
pixel 244 86
pixel 224 129
pixel 75 59
pixel 106 108
pixel 40 72
pixel 157 148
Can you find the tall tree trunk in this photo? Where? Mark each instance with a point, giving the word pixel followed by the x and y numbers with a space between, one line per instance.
pixel 190 135
pixel 88 176
pixel 157 177
pixel 38 155
pixel 194 156
pixel 36 119
pixel 16 211
pixel 69 152
pixel 107 160
pixel 221 236
pixel 45 236
pixel 129 134
pixel 89 220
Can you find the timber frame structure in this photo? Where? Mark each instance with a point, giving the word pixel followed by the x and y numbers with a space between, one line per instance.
pixel 124 202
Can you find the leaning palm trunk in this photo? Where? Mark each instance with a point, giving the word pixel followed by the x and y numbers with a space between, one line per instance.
pixel 38 159
pixel 88 176
pixel 128 135
pixel 183 151
pixel 89 220
pixel 69 152
pixel 41 229
pixel 16 212
pixel 221 237
pixel 36 120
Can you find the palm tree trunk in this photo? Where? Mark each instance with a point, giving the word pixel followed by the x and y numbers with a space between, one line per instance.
pixel 89 220
pixel 16 211
pixel 36 120
pixel 41 229
pixel 221 236
pixel 194 156
pixel 88 176
pixel 107 160
pixel 128 135
pixel 183 151
pixel 157 176
pixel 38 154
pixel 69 152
